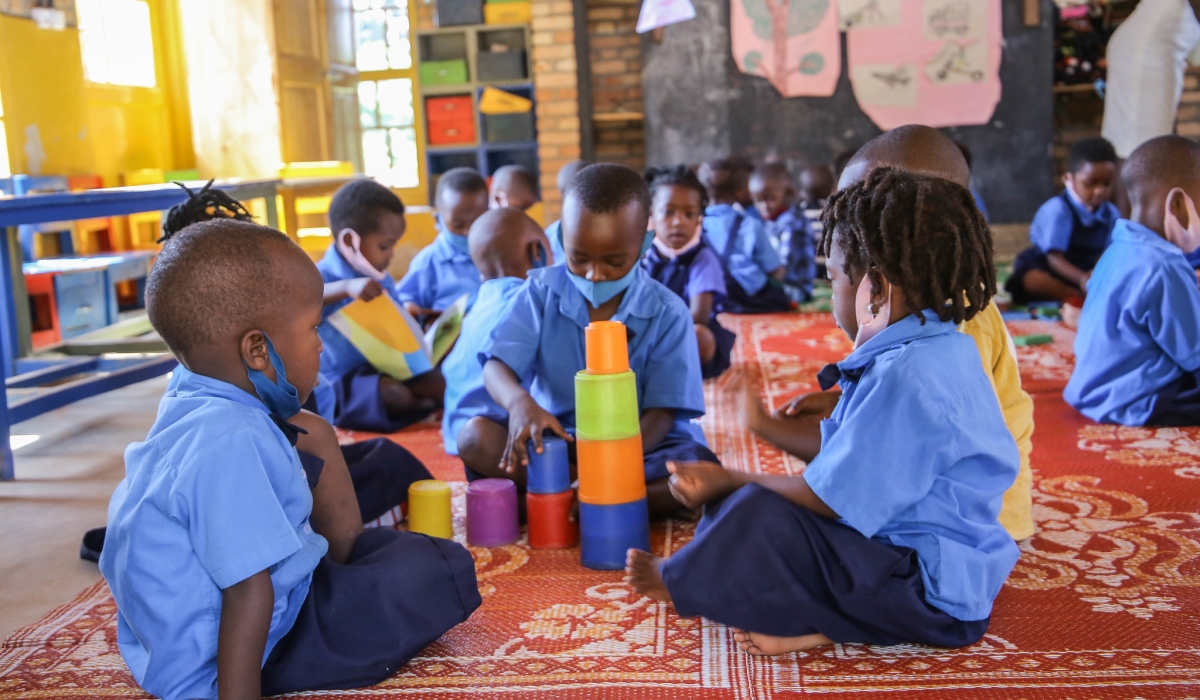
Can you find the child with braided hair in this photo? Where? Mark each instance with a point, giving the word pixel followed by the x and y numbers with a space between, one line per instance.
pixel 891 534
pixel 681 260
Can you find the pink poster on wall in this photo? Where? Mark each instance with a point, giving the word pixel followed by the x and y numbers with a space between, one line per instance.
pixel 932 62
pixel 792 43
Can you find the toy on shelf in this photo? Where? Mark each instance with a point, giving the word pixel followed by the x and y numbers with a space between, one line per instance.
pixel 429 508
pixel 612 484
pixel 492 513
pixel 549 497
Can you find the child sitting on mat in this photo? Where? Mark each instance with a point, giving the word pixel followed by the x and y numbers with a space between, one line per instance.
pixel 239 568
pixel 753 269
pixel 681 260
pixel 891 534
pixel 505 245
pixel 539 341
pixel 1071 230
pixel 368 220
pixel 926 150
pixel 774 193
pixel 442 272
pixel 1137 354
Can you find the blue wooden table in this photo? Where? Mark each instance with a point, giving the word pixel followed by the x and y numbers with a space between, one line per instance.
pixel 84 377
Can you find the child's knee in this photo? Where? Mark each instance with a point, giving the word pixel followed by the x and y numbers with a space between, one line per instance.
pixel 707 342
pixel 481 441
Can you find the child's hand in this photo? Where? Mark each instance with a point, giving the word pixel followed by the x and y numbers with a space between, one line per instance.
pixel 694 484
pixel 413 309
pixel 818 405
pixel 363 288
pixel 527 421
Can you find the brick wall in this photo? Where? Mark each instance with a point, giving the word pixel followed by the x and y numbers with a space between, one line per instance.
pixel 616 58
pixel 557 93
pixel 1187 119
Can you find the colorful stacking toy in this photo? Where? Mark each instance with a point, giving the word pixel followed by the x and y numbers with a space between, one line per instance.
pixel 492 513
pixel 612 482
pixel 549 496
pixel 429 508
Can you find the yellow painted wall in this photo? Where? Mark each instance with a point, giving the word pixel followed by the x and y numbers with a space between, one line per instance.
pixel 41 79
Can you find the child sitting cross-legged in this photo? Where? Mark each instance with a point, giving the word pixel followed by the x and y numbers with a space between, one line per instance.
pixel 505 245
pixel 890 535
pixel 239 569
pixel 368 220
pixel 539 340
pixel 1137 354
pixel 774 193
pixel 681 260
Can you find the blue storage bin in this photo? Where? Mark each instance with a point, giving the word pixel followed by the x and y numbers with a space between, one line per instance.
pixel 606 533
pixel 549 472
pixel 82 302
pixel 127 266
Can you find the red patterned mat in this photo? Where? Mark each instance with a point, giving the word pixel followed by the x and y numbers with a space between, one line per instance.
pixel 1045 368
pixel 1105 602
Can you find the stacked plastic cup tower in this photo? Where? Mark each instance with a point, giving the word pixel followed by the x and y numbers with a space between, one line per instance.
pixel 612 482
pixel 549 496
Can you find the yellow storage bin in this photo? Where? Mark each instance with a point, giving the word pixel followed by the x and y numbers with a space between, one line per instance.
pixel 507 12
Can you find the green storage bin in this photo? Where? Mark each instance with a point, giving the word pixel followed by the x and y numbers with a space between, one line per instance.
pixel 606 406
pixel 443 72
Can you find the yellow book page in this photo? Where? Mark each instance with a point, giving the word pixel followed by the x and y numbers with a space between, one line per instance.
pixel 383 357
pixel 383 319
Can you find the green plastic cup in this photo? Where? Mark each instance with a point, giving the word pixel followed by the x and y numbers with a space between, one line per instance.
pixel 606 406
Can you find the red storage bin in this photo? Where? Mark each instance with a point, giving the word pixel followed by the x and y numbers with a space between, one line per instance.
pixel 448 109
pixel 449 133
pixel 43 309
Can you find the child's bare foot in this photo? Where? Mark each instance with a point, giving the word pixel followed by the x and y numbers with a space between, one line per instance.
pixel 641 572
pixel 765 645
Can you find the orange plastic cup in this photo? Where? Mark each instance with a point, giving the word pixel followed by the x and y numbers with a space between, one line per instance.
pixel 607 347
pixel 610 471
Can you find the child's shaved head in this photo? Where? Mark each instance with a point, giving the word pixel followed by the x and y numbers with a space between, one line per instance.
pixel 505 242
pixel 915 148
pixel 1160 165
pixel 771 172
pixel 720 178
pixel 517 184
pixel 217 279
pixel 566 172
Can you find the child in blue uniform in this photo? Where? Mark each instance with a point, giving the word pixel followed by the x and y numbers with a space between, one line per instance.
pixel 753 269
pixel 368 221
pixel 1071 230
pixel 789 229
pixel 553 231
pixel 540 339
pixel 443 271
pixel 681 260
pixel 891 534
pixel 1137 353
pixel 238 568
pixel 505 245
pixel 514 186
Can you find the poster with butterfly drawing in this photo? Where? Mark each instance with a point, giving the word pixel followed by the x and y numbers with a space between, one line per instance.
pixel 794 44
pixel 934 62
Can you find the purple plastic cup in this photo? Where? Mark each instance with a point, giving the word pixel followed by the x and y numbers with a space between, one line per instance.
pixel 492 513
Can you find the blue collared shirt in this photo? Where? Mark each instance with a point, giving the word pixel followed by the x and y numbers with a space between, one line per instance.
pixel 751 257
pixel 917 454
pixel 541 338
pixel 553 232
pixel 439 275
pixel 214 495
pixel 790 235
pixel 466 396
pixel 1139 330
pixel 1064 225
pixel 338 356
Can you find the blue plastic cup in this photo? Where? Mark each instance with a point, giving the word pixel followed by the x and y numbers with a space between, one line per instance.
pixel 606 533
pixel 549 472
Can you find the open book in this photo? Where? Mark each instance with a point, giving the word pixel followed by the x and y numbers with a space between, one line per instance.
pixel 390 339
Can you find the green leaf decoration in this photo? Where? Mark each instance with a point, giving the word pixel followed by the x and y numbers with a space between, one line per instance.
pixel 752 61
pixel 812 63
pixel 760 16
pixel 803 16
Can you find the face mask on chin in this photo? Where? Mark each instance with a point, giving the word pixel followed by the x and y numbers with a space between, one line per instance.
pixel 598 293
pixel 352 253
pixel 279 396
pixel 1186 238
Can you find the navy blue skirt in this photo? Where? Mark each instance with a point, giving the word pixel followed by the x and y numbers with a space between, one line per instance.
pixel 360 407
pixel 720 360
pixel 381 471
pixel 365 619
pixel 763 564
pixel 1178 404
pixel 768 300
pixel 1032 258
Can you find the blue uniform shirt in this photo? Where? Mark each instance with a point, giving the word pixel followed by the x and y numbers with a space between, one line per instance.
pixel 541 338
pixel 917 454
pixel 213 496
pixel 751 257
pixel 1064 225
pixel 790 235
pixel 338 356
pixel 1139 330
pixel 696 272
pixel 466 396
pixel 553 231
pixel 439 275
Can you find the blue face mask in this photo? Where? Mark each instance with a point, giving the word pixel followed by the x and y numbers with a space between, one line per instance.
pixel 459 242
pixel 598 293
pixel 538 259
pixel 279 396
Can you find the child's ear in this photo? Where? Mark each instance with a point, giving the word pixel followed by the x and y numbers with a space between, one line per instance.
pixel 1068 179
pixel 1177 206
pixel 253 349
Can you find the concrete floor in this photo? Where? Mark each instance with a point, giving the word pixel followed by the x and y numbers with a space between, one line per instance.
pixel 63 484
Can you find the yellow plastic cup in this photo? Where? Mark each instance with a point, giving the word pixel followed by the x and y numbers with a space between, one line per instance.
pixel 429 508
